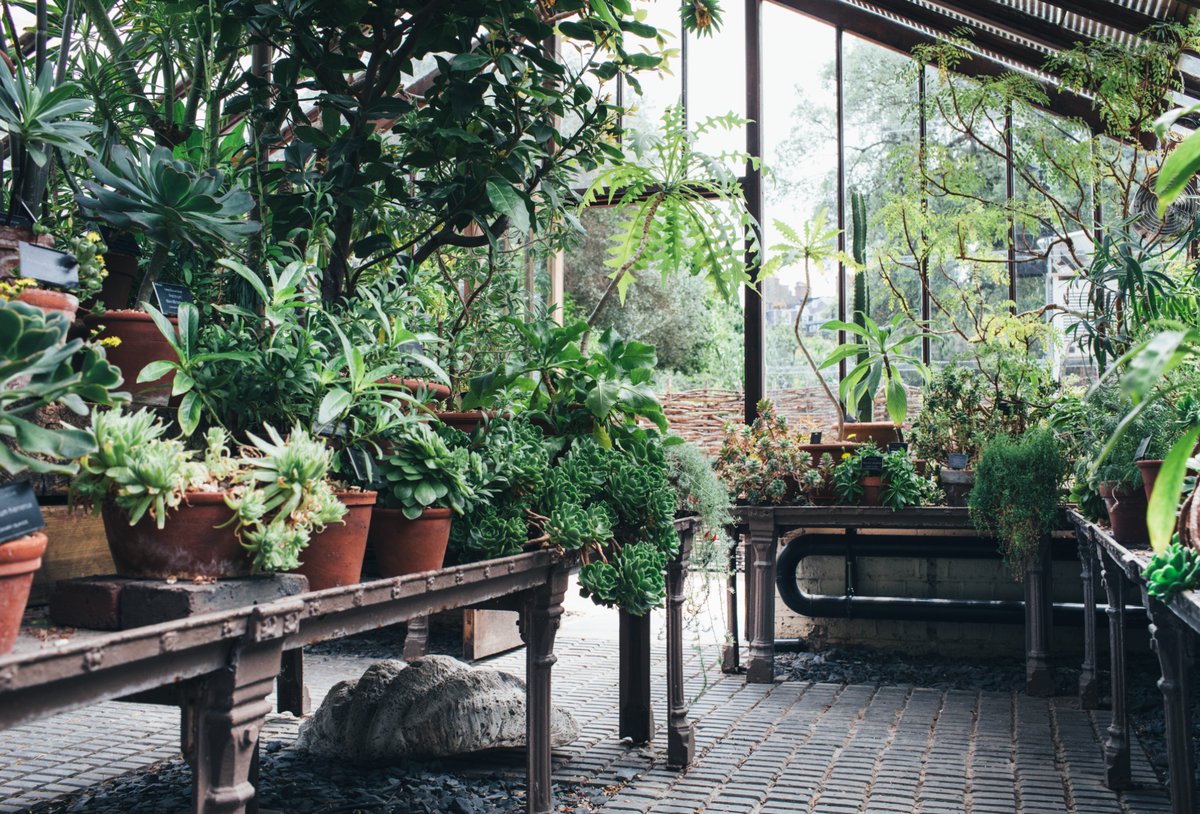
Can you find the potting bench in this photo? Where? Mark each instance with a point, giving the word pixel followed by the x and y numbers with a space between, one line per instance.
pixel 923 531
pixel 1173 627
pixel 220 666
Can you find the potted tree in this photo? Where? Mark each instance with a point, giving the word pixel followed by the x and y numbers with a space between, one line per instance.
pixel 40 368
pixel 955 421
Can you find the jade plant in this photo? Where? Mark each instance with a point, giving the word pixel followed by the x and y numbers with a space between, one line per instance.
pixel 276 488
pixel 1017 489
pixel 40 367
pixel 956 416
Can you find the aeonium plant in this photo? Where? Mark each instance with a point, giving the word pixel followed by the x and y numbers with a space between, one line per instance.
pixel 419 471
pixel 276 488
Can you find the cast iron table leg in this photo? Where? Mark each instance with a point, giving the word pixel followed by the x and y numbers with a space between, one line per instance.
pixel 539 625
pixel 1171 639
pixel 731 659
pixel 1089 687
pixel 291 694
pixel 760 567
pixel 1116 745
pixel 636 713
pixel 416 638
pixel 1039 680
pixel 680 741
pixel 227 713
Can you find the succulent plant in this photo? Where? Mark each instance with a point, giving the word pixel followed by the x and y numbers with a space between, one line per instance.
pixel 40 367
pixel 1177 569
pixel 765 462
pixel 169 201
pixel 421 472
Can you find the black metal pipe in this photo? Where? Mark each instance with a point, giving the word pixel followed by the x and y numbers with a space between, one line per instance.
pixel 852 605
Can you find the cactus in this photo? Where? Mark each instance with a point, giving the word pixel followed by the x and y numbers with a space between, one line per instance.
pixel 862 299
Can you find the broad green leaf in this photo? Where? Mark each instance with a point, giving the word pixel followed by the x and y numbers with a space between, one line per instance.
pixel 508 202
pixel 189 413
pixel 897 401
pixel 335 403
pixel 1181 165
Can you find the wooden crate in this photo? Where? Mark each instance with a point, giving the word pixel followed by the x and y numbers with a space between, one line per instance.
pixel 77 548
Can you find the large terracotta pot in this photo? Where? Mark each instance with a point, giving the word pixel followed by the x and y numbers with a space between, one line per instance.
pixel 1149 469
pixel 1126 513
pixel 404 546
pixel 467 422
pixel 881 433
pixel 435 391
pixel 190 545
pixel 141 344
pixel 19 558
pixel 335 556
pixel 123 271
pixel 872 487
pixel 51 301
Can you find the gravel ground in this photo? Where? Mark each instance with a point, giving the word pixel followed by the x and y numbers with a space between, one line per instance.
pixel 863 666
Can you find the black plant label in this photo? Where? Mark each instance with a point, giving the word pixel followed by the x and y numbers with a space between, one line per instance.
pixel 170 297
pixel 19 512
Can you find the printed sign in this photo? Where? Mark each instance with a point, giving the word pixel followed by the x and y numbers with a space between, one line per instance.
pixel 48 266
pixel 957 460
pixel 814 438
pixel 898 446
pixel 170 296
pixel 1140 455
pixel 872 464
pixel 19 512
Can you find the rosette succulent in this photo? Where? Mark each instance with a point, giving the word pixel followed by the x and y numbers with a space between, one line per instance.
pixel 1176 569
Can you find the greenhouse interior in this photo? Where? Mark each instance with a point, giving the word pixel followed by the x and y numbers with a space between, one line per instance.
pixel 631 406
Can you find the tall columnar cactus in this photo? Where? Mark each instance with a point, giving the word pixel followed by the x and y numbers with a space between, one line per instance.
pixel 862 297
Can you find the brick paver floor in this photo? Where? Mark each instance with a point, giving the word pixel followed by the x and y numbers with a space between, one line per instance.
pixel 788 747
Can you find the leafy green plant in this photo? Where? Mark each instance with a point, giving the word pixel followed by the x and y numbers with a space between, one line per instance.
pixel 1172 571
pixel 765 462
pixel 684 210
pixel 277 489
pixel 901 486
pixel 1016 494
pixel 879 351
pixel 700 491
pixel 956 415
pixel 40 367
pixel 170 202
pixel 420 471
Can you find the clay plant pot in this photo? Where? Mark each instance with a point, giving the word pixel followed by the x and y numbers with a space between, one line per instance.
pixel 1149 469
pixel 123 271
pixel 404 546
pixel 51 301
pixel 192 543
pixel 435 391
pixel 881 433
pixel 19 559
pixel 141 344
pixel 1126 513
pixel 467 422
pixel 872 487
pixel 957 484
pixel 335 556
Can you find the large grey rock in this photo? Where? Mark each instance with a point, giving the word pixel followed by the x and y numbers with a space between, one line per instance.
pixel 435 706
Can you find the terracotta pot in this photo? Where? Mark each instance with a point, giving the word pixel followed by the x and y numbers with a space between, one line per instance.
pixel 957 484
pixel 19 558
pixel 881 433
pixel 1149 469
pixel 141 344
pixel 872 486
pixel 404 546
pixel 1126 513
pixel 335 556
pixel 190 545
pixel 467 422
pixel 123 271
pixel 50 301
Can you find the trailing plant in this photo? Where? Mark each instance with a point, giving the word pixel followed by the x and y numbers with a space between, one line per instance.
pixel 765 462
pixel 901 485
pixel 276 489
pixel 39 368
pixel 700 491
pixel 1016 493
